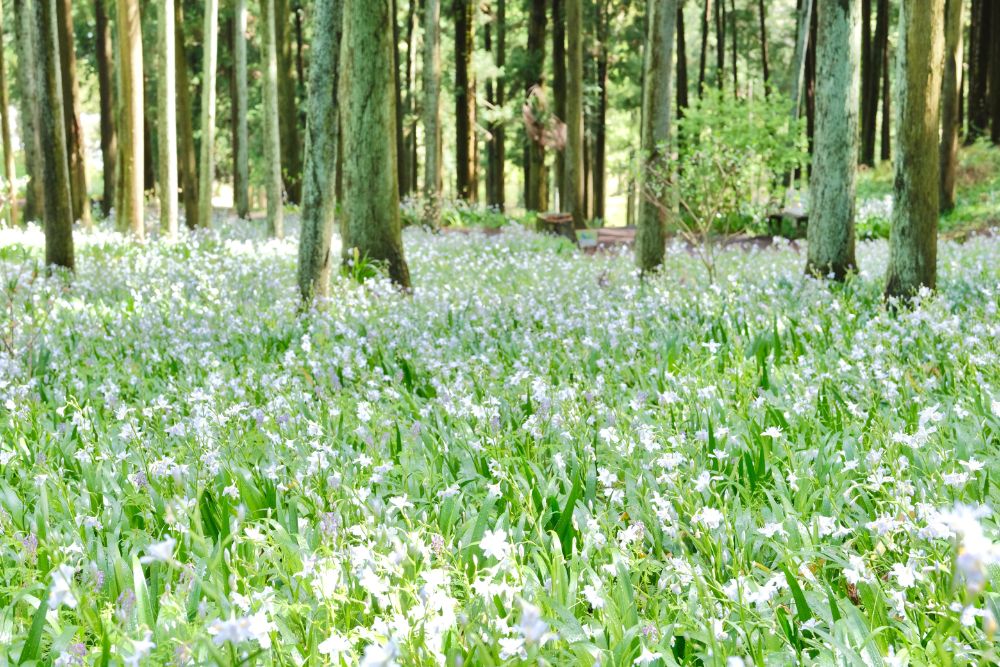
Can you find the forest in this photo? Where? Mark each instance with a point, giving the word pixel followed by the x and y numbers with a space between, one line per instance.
pixel 510 332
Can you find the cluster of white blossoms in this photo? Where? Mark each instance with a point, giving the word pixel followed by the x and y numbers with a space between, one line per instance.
pixel 535 458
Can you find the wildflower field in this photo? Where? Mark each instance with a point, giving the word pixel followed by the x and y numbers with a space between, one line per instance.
pixel 536 458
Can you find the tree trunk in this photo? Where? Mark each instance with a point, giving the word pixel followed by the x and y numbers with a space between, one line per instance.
pixel 950 101
pixel 913 234
pixel 432 112
pixel 408 154
pixel 206 165
pixel 27 80
pixel 534 165
pixel 811 82
pixel 241 101
pixel 495 148
pixel 600 122
pixel 765 64
pixel 573 162
pixel 8 145
pixel 288 120
pixel 187 163
pixel 51 132
pixel 319 186
pixel 71 114
pixel 734 42
pixel 559 96
pixel 132 134
pixel 109 138
pixel 720 43
pixel 651 226
pixel 703 56
pixel 799 57
pixel 400 144
pixel 465 100
pixel 168 119
pixel 272 129
pixel 371 194
pixel 995 74
pixel 979 67
pixel 870 74
pixel 885 152
pixel 682 67
pixel 832 181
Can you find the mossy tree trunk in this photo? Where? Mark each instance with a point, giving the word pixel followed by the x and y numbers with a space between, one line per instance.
pixel 573 162
pixel 465 100
pixel 913 234
pixel 131 134
pixel 371 192
pixel 272 129
pixel 832 179
pixel 206 166
pixel 109 135
pixel 655 131
pixel 24 38
pixel 71 113
pixel 535 198
pixel 241 168
pixel 432 112
pixel 187 162
pixel 319 182
pixel 950 101
pixel 8 144
pixel 168 120
pixel 559 98
pixel 496 97
pixel 288 121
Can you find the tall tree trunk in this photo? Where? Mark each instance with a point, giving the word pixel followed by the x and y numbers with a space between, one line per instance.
pixel 8 145
pixel 51 133
pixel 27 80
pixel 187 163
pixel 885 152
pixel 600 122
pixel 765 64
pixel 168 119
pixel 720 43
pixel 109 138
pixel 495 92
pixel 735 44
pixel 400 144
pixel 131 134
pixel 995 74
pixel 559 95
pixel 979 68
pixel 573 163
pixel 913 234
pixel 407 156
pixel 810 91
pixel 319 186
pixel 832 181
pixel 432 112
pixel 206 165
pixel 465 100
pixel 535 198
pixel 371 193
pixel 950 101
pixel 651 226
pixel 682 67
pixel 798 74
pixel 870 75
pixel 272 129
pixel 288 121
pixel 241 101
pixel 703 56
pixel 71 114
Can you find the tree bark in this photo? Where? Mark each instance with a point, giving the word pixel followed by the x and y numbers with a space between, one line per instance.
pixel 734 43
pixel 950 101
pixel 979 68
pixel 241 102
pixel 600 122
pixel 496 179
pixel 682 73
pixel 319 183
pixel 799 58
pixel 765 64
pixel 131 135
pixel 871 70
pixel 272 128
pixel 810 91
pixel 651 225
pixel 995 74
pixel 720 43
pixel 371 193
pixel 559 96
pixel 885 151
pixel 168 119
pixel 535 198
pixel 432 112
pixel 51 132
pixel 288 120
pixel 187 162
pixel 832 181
pixel 408 154
pixel 573 163
pixel 109 138
pixel 400 144
pixel 27 80
pixel 465 100
pixel 703 56
pixel 71 114
pixel 206 165
pixel 913 234
pixel 8 145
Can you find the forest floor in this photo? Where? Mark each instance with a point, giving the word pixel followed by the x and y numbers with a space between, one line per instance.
pixel 535 458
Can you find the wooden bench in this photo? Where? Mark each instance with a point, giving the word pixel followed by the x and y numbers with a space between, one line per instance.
pixel 559 224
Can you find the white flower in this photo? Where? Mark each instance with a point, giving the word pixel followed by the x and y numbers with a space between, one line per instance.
pixel 857 572
pixel 772 529
pixel 531 625
pixel 772 432
pixel 141 648
pixel 709 517
pixel 646 657
pixel 512 646
pixel 159 552
pixel 61 592
pixel 495 545
pixel 904 574
pixel 593 595
pixel 380 655
pixel 335 646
